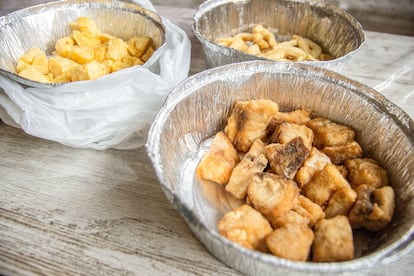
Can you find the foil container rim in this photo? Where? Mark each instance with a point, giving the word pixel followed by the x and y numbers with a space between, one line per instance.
pixel 211 4
pixel 7 19
pixel 383 256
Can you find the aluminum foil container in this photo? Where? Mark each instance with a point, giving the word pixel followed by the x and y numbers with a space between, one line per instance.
pixel 42 25
pixel 197 109
pixel 335 30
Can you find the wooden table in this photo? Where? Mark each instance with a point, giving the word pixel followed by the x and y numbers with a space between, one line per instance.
pixel 78 211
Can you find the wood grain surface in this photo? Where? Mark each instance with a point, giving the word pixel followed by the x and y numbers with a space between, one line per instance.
pixel 67 211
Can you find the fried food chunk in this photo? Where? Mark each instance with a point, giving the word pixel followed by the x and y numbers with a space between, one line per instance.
pixel 315 162
pixel 333 240
pixel 245 226
pixel 366 171
pixel 341 202
pixel 328 133
pixel 305 212
pixel 292 241
pixel 298 116
pixel 254 161
pixel 373 209
pixel 286 159
pixel 248 122
pixel 272 195
pixel 324 184
pixel 218 163
pixel 285 132
pixel 338 154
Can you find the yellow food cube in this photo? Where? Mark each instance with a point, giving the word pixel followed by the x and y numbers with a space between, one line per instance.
pixel 32 73
pixel 29 56
pixel 118 65
pixel 84 41
pixel 64 45
pixel 100 53
pixel 41 63
pixel 81 55
pixel 147 54
pixel 85 25
pixel 59 65
pixel 131 61
pixel 64 77
pixel 21 65
pixel 117 48
pixel 89 71
pixel 138 45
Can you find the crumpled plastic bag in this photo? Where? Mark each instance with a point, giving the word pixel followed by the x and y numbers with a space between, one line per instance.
pixel 114 111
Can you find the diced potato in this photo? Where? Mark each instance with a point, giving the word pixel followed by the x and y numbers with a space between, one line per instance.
pixel 81 55
pixel 147 54
pixel 85 41
pixel 246 227
pixel 59 65
pixel 138 45
pixel 85 25
pixel 32 73
pixel 64 45
pixel 117 49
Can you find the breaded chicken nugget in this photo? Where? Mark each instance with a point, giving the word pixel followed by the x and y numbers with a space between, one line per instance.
pixel 285 132
pixel 218 163
pixel 333 240
pixel 254 161
pixel 338 154
pixel 328 133
pixel 292 241
pixel 245 226
pixel 324 184
pixel 286 159
pixel 366 171
pixel 341 202
pixel 316 161
pixel 248 122
pixel 373 209
pixel 272 195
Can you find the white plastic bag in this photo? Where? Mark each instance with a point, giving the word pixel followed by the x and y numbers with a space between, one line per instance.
pixel 114 111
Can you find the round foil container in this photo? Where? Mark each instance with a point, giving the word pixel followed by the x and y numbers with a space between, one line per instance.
pixel 42 25
pixel 198 108
pixel 335 30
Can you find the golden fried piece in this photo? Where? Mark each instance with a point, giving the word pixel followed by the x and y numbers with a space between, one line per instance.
pixel 285 132
pixel 248 122
pixel 328 133
pixel 338 154
pixel 272 195
pixel 324 184
pixel 245 226
pixel 304 212
pixel 298 116
pixel 343 170
pixel 292 241
pixel 333 240
pixel 218 163
pixel 341 202
pixel 373 209
pixel 254 161
pixel 366 171
pixel 286 159
pixel 315 162
pixel 311 211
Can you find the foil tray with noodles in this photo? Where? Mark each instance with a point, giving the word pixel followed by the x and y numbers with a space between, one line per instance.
pixel 385 132
pixel 337 32
pixel 42 25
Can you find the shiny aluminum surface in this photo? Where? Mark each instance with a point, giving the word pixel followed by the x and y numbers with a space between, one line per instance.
pixel 335 30
pixel 42 25
pixel 198 108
